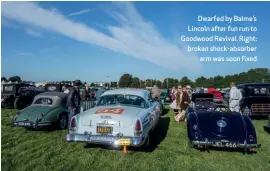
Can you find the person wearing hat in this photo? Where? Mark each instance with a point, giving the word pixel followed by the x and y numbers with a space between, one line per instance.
pixel 155 91
pixel 74 100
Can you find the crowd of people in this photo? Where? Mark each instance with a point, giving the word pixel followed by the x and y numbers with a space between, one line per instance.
pixel 180 97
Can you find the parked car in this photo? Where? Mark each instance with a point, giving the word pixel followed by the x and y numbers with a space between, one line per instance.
pixel 165 95
pixel 217 95
pixel 26 97
pixel 50 87
pixel 47 109
pixel 10 91
pixel 256 98
pixel 122 117
pixel 220 128
pixel 267 126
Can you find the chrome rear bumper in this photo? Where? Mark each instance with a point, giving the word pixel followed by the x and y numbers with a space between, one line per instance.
pixel 211 144
pixel 104 139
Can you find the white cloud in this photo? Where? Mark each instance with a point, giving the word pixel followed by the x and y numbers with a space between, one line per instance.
pixel 81 12
pixel 25 54
pixel 33 32
pixel 134 37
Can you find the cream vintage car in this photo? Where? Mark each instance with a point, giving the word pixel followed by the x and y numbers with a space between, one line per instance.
pixel 121 117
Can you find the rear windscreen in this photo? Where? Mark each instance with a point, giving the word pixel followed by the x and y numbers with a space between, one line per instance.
pixel 259 90
pixel 44 101
pixel 8 88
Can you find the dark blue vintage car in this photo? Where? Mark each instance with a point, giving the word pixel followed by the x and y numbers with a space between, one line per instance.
pixel 210 125
pixel 267 126
pixel 256 99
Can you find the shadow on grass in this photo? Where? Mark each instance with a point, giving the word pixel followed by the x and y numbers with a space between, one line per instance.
pixel 256 117
pixel 234 150
pixel 165 111
pixel 156 137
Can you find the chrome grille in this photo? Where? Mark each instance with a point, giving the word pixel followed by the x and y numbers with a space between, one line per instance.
pixel 260 108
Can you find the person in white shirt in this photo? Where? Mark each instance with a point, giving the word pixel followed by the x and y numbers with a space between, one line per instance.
pixel 235 98
pixel 65 89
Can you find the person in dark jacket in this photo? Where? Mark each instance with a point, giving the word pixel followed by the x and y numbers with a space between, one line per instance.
pixel 86 93
pixel 73 100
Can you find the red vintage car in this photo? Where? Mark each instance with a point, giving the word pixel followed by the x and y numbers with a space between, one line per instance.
pixel 218 98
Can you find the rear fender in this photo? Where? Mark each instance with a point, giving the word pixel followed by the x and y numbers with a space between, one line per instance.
pixel 54 114
pixel 250 130
pixel 193 130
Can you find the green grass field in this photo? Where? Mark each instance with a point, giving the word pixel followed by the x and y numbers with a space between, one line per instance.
pixel 39 150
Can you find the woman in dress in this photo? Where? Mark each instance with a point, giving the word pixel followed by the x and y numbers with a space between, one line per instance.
pixel 183 103
pixel 176 102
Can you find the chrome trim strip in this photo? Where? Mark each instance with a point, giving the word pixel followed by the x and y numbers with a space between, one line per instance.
pixel 238 145
pixel 101 139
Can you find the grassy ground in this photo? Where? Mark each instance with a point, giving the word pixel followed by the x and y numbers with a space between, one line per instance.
pixel 39 150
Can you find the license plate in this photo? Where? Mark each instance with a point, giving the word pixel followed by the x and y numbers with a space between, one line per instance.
pixel 225 144
pixel 124 141
pixel 24 124
pixel 104 130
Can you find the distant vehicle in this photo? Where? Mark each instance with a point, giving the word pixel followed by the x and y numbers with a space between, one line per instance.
pixel 51 87
pixel 216 126
pixel 10 92
pixel 256 98
pixel 122 117
pixel 217 95
pixel 165 95
pixel 26 97
pixel 267 126
pixel 48 109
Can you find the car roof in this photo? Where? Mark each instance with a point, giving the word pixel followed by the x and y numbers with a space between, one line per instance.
pixel 54 93
pixel 253 84
pixel 137 92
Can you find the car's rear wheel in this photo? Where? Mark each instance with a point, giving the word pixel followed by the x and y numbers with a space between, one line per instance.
pixel 18 103
pixel 63 121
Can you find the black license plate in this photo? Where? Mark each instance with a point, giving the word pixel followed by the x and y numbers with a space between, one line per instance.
pixel 104 130
pixel 225 144
pixel 26 124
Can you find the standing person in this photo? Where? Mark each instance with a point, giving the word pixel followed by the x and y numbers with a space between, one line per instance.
pixel 176 100
pixel 73 100
pixel 155 91
pixel 184 102
pixel 65 89
pixel 235 97
pixel 173 93
pixel 86 93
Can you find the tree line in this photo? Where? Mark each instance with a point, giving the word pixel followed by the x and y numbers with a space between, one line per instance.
pixel 127 80
pixel 253 75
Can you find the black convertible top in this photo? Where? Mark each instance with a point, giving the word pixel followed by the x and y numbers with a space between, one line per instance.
pixel 202 96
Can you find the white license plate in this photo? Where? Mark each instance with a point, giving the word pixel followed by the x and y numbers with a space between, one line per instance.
pixel 225 144
pixel 24 123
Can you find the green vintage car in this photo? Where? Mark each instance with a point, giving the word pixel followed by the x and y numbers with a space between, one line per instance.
pixel 47 109
pixel 165 96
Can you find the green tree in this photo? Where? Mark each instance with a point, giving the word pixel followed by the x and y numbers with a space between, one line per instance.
pixel 185 81
pixel 113 84
pixel 4 79
pixel 135 83
pixel 92 85
pixel 125 80
pixel 14 79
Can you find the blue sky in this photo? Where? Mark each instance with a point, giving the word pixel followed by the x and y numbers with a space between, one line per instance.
pixel 46 41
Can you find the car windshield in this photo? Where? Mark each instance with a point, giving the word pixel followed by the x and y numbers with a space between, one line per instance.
pixel 259 90
pixel 44 101
pixel 8 88
pixel 119 99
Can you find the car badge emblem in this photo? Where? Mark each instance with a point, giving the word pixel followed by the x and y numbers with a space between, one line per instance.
pixel 221 123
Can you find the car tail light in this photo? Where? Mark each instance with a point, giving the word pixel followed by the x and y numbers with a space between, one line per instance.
pixel 138 126
pixel 41 115
pixel 157 108
pixel 196 135
pixel 73 123
pixel 250 138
